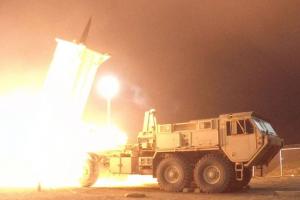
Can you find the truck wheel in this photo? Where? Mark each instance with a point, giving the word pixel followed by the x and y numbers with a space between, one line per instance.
pixel 239 185
pixel 213 173
pixel 247 176
pixel 173 174
pixel 90 172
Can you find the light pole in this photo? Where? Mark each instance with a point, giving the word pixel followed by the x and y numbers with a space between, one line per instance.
pixel 108 87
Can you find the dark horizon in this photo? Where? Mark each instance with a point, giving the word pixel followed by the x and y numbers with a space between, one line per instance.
pixel 187 59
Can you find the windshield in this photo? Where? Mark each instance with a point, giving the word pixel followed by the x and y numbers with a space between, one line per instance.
pixel 264 126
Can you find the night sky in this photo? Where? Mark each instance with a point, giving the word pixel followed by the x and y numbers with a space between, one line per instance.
pixel 187 59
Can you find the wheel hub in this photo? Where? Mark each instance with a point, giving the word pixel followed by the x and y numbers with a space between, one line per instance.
pixel 171 174
pixel 211 174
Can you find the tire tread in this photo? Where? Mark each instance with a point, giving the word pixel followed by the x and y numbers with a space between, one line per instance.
pixel 186 170
pixel 228 173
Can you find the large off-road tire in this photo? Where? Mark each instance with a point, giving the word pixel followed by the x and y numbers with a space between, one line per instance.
pixel 173 174
pixel 247 176
pixel 90 172
pixel 239 185
pixel 213 173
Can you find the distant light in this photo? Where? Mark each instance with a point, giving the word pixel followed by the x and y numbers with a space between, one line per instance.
pixel 108 87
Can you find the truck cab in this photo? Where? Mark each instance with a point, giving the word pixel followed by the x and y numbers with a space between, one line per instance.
pixel 247 138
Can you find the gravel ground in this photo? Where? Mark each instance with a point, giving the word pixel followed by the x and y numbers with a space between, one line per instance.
pixel 285 188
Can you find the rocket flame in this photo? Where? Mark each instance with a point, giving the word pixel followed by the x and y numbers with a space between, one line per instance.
pixel 54 159
pixel 126 181
pixel 43 140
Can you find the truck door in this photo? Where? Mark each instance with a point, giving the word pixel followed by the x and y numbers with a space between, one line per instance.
pixel 240 139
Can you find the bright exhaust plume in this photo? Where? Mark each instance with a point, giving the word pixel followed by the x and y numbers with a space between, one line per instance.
pixel 42 132
pixel 54 160
pixel 43 139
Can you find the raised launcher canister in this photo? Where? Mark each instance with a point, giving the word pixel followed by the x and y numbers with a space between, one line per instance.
pixel 216 153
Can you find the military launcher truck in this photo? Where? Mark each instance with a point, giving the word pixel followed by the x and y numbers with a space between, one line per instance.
pixel 215 154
